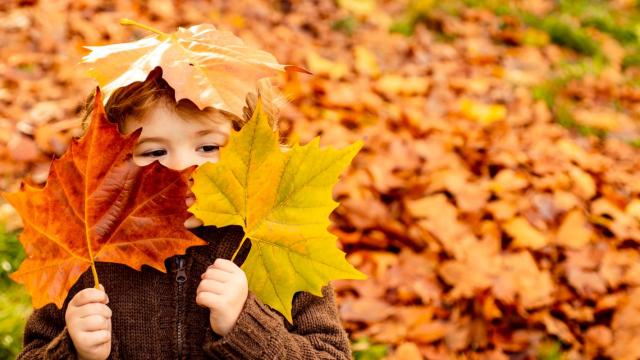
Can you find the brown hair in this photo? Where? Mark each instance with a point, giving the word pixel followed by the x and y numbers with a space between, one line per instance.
pixel 137 98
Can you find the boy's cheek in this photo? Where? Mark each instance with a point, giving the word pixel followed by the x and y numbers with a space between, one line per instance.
pixel 190 199
pixel 192 222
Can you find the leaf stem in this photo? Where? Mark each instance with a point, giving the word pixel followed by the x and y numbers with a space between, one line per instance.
pixel 239 247
pixel 87 232
pixel 93 263
pixel 95 274
pixel 125 21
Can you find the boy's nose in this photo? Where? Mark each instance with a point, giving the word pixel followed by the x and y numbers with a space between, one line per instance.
pixel 179 161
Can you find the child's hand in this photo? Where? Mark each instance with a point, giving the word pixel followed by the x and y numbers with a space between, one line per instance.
pixel 223 290
pixel 88 321
pixel 193 221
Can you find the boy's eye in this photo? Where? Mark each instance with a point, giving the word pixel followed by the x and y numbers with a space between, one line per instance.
pixel 154 153
pixel 208 148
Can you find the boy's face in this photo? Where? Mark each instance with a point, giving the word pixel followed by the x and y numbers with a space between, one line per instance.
pixel 175 141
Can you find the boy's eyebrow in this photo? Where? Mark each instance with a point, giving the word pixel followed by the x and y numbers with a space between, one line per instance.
pixel 208 131
pixel 150 139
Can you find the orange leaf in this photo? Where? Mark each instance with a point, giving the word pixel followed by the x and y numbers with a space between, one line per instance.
pixel 98 205
pixel 208 66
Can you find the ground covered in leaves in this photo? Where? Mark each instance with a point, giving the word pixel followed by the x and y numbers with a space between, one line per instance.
pixel 495 203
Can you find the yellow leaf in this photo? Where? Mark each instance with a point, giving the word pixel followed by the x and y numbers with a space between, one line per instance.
pixel 326 67
pixel 584 185
pixel 535 37
pixel 633 209
pixel 407 350
pixel 524 234
pixel 508 180
pixel 391 84
pixel 208 66
pixel 422 6
pixel 574 231
pixel 485 114
pixel 365 62
pixel 283 201
pixel 358 7
pixel 604 119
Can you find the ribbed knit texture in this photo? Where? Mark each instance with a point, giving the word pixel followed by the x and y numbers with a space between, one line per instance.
pixel 144 321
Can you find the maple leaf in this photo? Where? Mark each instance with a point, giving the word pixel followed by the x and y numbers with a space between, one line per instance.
pixel 210 67
pixel 282 199
pixel 97 205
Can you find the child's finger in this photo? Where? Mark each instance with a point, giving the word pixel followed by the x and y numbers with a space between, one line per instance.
pixel 94 309
pixel 213 273
pixel 94 323
pixel 226 265
pixel 207 299
pixel 89 295
pixel 192 222
pixel 213 286
pixel 98 337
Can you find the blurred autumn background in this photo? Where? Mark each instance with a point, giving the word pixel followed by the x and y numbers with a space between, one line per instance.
pixel 495 204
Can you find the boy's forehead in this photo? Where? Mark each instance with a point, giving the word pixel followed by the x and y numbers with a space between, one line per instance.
pixel 165 119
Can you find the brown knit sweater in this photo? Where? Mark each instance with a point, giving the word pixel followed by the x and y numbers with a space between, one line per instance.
pixel 156 317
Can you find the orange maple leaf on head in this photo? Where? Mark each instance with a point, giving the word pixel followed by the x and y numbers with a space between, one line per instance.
pixel 208 66
pixel 97 205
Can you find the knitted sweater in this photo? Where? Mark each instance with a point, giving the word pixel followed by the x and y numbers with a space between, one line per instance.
pixel 155 315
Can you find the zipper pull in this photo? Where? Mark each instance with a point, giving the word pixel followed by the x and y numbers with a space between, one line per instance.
pixel 181 275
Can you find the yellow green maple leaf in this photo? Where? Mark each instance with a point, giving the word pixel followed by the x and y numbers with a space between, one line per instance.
pixel 283 200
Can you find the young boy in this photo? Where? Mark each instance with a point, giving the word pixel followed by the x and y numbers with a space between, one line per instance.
pixel 201 308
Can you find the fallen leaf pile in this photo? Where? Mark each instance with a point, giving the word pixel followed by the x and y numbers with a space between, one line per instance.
pixel 490 221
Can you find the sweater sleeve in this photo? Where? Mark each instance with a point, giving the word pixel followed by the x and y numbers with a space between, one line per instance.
pixel 46 336
pixel 260 333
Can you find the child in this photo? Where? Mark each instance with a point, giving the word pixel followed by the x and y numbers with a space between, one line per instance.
pixel 201 308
